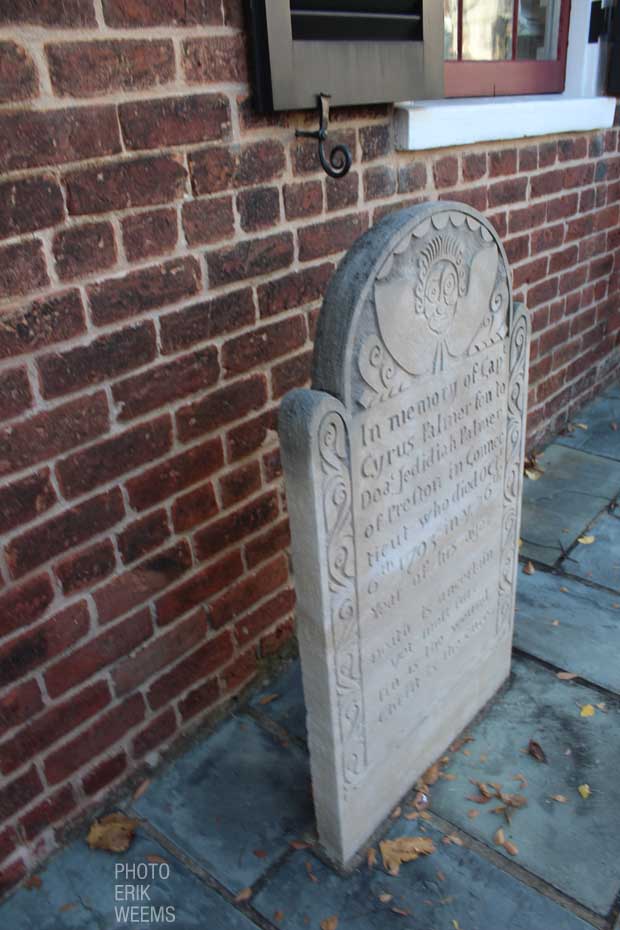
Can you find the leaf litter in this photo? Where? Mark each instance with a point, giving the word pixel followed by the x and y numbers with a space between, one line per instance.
pixel 113 833
pixel 404 849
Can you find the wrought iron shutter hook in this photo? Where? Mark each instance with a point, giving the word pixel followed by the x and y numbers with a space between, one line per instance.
pixel 339 161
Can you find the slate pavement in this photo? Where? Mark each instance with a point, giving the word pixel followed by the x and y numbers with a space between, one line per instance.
pixel 223 816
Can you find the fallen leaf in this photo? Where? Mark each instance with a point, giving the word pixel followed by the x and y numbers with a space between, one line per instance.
pixel 33 883
pixel 268 698
pixel 510 848
pixel 440 876
pixel 584 791
pixel 581 426
pixel 560 798
pixel 533 473
pixel 371 857
pixel 467 752
pixel 587 711
pixel 456 925
pixel 311 874
pixel 425 815
pixel 555 623
pixel 404 849
pixel 460 742
pixel 529 569
pixel 299 844
pixel 156 859
pixel 448 776
pixel 384 898
pixel 420 801
pixel 431 774
pixel 472 814
pixel 260 853
pixel 413 815
pixel 278 916
pixel 613 426
pixel 602 706
pixel 521 778
pixel 536 751
pixel 142 787
pixel 499 837
pixel 396 813
pixel 330 923
pixel 70 906
pixel 113 833
pixel 452 838
pixel 567 676
pixel 586 540
pixel 244 895
pixel 401 911
pixel 564 590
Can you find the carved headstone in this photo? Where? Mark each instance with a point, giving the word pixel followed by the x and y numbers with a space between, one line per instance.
pixel 403 471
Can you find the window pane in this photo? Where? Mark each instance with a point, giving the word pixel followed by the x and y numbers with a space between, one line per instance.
pixel 537 32
pixel 487 29
pixel 450 28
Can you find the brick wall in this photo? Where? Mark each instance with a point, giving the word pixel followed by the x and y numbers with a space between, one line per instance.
pixel 163 256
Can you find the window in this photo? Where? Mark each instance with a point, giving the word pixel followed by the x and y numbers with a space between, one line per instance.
pixel 500 47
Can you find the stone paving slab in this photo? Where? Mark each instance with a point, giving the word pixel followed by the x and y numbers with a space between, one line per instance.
pixel 574 488
pixel 574 846
pixel 600 561
pixel 599 437
pixel 78 893
pixel 233 802
pixel 452 884
pixel 587 639
pixel 287 708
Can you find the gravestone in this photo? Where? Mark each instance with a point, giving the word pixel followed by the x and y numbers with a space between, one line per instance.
pixel 403 470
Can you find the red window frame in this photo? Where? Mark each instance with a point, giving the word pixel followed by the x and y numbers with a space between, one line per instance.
pixel 500 78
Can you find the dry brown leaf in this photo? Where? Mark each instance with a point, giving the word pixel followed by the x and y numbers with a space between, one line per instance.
pixel 510 848
pixel 564 590
pixel 529 569
pixel 521 778
pixel 584 791
pixel 431 774
pixel 401 911
pixel 371 857
pixel 260 853
pixel 566 676
pixel 583 426
pixel 536 751
pixel 472 814
pixel 555 623
pixel 113 833
pixel 413 815
pixel 33 883
pixel 330 923
pixel 268 698
pixel 479 798
pixel 448 776
pixel 70 906
pixel 560 798
pixel 587 711
pixel 396 813
pixel 499 837
pixel 278 916
pixel 404 849
pixel 613 426
pixel 299 844
pixel 311 874
pixel 244 895
pixel 142 787
pixel 156 859
pixel 586 540
pixel 452 838
pixel 385 897
pixel 425 815
pixel 460 742
pixel 440 876
pixel 421 801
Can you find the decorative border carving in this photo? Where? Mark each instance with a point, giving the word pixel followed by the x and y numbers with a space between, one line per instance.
pixel 333 443
pixel 517 405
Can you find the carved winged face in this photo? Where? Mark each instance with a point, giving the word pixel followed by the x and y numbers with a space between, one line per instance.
pixel 440 295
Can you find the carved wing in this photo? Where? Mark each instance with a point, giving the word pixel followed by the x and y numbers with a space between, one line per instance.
pixel 476 303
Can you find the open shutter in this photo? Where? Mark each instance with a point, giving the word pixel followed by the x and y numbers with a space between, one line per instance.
pixel 358 51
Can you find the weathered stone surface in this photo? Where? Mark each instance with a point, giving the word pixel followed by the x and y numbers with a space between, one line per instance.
pixel 403 470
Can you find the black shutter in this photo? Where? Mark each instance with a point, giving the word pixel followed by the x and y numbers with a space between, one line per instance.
pixel 613 75
pixel 390 20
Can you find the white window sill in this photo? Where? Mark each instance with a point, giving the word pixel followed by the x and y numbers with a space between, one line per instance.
pixel 431 124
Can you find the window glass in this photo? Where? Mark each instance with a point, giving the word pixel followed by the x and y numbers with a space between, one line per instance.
pixel 487 30
pixel 450 29
pixel 537 30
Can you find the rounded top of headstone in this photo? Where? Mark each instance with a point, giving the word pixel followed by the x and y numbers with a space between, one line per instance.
pixel 420 290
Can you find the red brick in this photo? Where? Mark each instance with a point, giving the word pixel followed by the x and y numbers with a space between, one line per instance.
pixel 335 235
pixel 52 432
pixel 158 730
pixel 608 218
pixel 107 730
pixel 251 589
pixel 158 653
pixel 276 538
pixel 15 393
pixel 502 162
pixel 49 811
pixel 474 166
pixel 527 217
pixel 241 670
pixel 22 268
pixel 87 567
pixel 578 175
pixel 50 638
pixel 301 199
pixel 601 267
pixel 143 290
pixel 506 192
pixel 570 149
pixel 8 843
pixel 240 483
pixel 533 271
pixel 143 535
pixel 33 138
pixel 206 221
pixel 379 181
pixel 542 293
pixel 149 234
pixel 81 250
pixel 258 208
pixel 375 141
pixel 217 169
pixel 156 484
pixel 411 177
pixel 41 323
pixel 547 154
pixel 166 383
pixel 25 499
pixel 233 527
pixel 194 507
pixel 136 182
pixel 97 653
pixel 11 875
pixel 255 623
pixel 53 724
pixel 104 773
pixel 17 794
pixel 233 13
pixel 152 124
pixel 141 583
pixel 55 13
pixel 528 158
pixel 560 207
pixel 517 248
pixel 549 237
pixel 563 259
pixel 199 664
pixel 68 529
pixel 104 358
pixel 294 372
pixel 242 353
pixel 215 59
pixel 250 258
pixel 29 203
pixel 571 280
pixel 135 13
pixel 586 200
pixel 250 435
pixel 19 705
pixel 99 464
pixel 199 699
pixel 23 604
pixel 204 321
pixel 90 69
pixel 304 151
pixel 193 592
pixel 294 290
pixel 580 227
pixel 342 192
pixel 220 407
pixel 446 171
